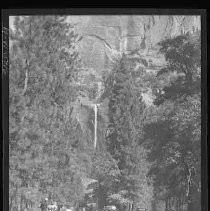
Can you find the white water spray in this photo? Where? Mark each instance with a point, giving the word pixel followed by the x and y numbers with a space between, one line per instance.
pixel 95 128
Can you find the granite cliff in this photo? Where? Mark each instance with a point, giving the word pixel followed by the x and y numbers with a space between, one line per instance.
pixel 103 36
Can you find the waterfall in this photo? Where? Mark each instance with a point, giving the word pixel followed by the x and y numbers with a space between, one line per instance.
pixel 95 111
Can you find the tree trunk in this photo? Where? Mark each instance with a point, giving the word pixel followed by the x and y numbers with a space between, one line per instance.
pixel 178 204
pixel 194 202
pixel 167 204
pixel 101 197
pixel 21 202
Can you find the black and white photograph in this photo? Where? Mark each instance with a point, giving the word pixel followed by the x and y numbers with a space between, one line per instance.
pixel 104 112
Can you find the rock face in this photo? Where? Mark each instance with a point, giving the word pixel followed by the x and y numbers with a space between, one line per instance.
pixel 105 35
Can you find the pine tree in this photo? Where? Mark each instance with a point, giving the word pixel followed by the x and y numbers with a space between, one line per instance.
pixel 43 69
pixel 126 114
pixel 182 73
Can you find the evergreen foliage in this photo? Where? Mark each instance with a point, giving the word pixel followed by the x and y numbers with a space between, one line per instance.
pixel 174 131
pixel 44 157
pixel 126 114
pixel 144 154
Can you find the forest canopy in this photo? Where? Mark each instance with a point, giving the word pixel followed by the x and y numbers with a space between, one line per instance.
pixel 80 137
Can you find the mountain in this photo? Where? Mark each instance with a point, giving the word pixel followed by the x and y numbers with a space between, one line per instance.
pixel 107 35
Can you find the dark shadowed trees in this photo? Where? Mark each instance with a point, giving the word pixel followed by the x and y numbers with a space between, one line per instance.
pixel 174 132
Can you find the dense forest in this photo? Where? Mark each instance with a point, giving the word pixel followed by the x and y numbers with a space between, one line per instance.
pixel 144 156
